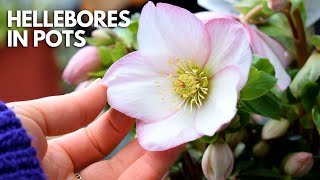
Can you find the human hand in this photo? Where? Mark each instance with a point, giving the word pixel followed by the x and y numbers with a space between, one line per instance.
pixel 82 148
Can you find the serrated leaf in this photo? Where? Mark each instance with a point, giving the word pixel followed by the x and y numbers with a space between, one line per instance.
pixel 310 72
pixel 258 84
pixel 316 117
pixel 267 105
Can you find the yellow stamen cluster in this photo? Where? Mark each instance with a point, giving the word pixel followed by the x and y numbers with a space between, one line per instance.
pixel 191 84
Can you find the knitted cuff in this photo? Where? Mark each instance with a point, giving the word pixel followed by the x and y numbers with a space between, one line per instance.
pixel 18 159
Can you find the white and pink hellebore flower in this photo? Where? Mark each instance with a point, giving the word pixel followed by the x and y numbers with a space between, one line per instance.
pixel 184 81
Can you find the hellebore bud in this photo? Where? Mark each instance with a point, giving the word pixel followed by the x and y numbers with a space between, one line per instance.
pixel 298 164
pixel 104 36
pixel 274 129
pixel 261 149
pixel 217 161
pixel 277 5
pixel 83 62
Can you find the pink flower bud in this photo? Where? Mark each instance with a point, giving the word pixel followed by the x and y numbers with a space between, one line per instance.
pixel 277 5
pixel 83 62
pixel 217 161
pixel 298 164
pixel 274 129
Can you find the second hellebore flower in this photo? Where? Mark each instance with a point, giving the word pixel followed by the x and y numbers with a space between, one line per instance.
pixel 184 81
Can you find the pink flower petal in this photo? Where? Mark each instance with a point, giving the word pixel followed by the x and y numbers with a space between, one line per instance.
pixel 277 55
pixel 138 90
pixel 220 105
pixel 168 133
pixel 229 46
pixel 173 32
pixel 206 16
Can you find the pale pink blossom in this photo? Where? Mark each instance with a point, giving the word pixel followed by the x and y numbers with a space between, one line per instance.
pixel 184 81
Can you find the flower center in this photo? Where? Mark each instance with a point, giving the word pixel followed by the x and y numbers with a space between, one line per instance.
pixel 191 84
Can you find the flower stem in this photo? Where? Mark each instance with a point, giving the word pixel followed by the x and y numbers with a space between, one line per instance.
pixel 298 32
pixel 253 12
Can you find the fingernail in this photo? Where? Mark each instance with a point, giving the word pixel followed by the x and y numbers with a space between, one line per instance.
pixel 95 82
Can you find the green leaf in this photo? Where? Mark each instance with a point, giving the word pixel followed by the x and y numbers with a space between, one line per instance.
pixel 210 140
pixel 119 51
pixel 309 92
pixel 105 55
pixel 133 27
pixel 97 74
pixel 267 105
pixel 258 84
pixel 315 41
pixel 263 64
pixel 316 117
pixel 310 72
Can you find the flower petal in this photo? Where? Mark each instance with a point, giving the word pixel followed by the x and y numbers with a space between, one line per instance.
pixel 206 16
pixel 229 46
pixel 173 32
pixel 269 48
pixel 138 90
pixel 220 107
pixel 168 133
pixel 223 6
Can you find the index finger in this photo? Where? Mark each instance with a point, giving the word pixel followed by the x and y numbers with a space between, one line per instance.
pixel 58 115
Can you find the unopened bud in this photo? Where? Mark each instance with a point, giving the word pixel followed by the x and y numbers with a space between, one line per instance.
pixel 298 164
pixel 274 129
pixel 83 62
pixel 277 5
pixel 261 149
pixel 104 36
pixel 217 161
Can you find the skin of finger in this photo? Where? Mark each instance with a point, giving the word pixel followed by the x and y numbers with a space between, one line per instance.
pixel 59 115
pixel 93 143
pixel 113 168
pixel 152 165
pixel 39 140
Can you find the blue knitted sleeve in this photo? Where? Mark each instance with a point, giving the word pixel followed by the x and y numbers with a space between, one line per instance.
pixel 18 160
